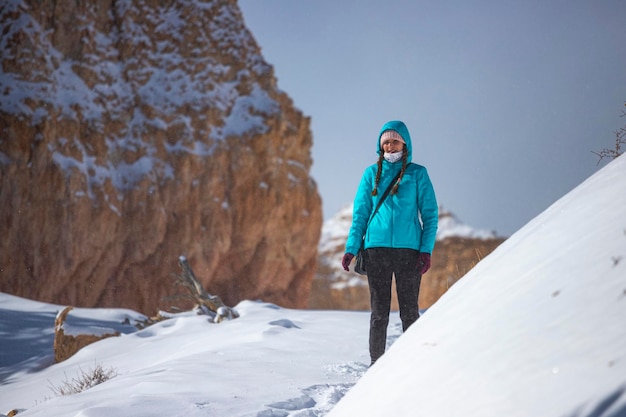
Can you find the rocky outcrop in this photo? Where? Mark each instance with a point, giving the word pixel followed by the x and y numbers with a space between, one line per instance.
pixel 135 132
pixel 66 345
pixel 457 250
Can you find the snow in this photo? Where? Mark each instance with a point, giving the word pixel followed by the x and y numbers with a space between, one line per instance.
pixel 451 226
pixel 270 359
pixel 167 76
pixel 535 329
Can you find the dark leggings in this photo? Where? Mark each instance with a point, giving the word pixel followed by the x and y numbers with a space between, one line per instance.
pixel 382 264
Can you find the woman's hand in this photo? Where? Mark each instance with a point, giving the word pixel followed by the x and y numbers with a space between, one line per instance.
pixel 345 261
pixel 423 262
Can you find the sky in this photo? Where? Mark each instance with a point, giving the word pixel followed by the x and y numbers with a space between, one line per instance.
pixel 505 100
pixel 532 330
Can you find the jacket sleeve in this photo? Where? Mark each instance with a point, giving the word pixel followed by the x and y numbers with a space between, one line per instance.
pixel 361 212
pixel 428 210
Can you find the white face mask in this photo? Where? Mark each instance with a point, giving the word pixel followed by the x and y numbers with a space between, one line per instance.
pixel 393 157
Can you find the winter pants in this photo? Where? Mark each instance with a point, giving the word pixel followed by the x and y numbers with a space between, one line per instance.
pixel 382 264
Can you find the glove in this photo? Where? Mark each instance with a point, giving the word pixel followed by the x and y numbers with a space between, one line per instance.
pixel 423 262
pixel 345 261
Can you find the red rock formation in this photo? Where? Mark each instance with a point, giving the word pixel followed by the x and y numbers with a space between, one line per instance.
pixel 135 132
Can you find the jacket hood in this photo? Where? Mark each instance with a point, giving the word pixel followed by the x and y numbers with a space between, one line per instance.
pixel 401 128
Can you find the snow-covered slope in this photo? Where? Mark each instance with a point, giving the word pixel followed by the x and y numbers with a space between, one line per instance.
pixel 538 328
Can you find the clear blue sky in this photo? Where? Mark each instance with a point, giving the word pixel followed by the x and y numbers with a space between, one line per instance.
pixel 505 99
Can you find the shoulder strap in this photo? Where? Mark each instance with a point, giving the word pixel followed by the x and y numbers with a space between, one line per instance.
pixel 382 198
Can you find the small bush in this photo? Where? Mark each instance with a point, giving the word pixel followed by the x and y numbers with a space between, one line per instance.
pixel 620 141
pixel 84 380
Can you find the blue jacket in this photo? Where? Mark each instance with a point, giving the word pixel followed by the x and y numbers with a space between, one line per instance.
pixel 407 219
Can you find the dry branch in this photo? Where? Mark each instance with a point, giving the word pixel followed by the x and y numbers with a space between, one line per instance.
pixel 202 298
pixel 620 139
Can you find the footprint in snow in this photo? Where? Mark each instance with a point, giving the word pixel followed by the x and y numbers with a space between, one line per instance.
pixel 315 401
pixel 287 324
pixel 356 369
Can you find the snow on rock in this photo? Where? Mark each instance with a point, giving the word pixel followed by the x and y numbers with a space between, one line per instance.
pixel 535 329
pixel 80 321
pixel 335 230
pixel 451 226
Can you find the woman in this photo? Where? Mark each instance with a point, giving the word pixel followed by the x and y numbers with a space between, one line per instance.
pixel 400 236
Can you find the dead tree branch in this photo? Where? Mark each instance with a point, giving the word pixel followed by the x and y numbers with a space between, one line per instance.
pixel 203 299
pixel 620 140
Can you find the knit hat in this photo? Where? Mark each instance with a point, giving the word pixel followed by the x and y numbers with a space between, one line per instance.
pixel 390 134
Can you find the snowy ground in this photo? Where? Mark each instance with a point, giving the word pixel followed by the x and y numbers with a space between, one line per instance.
pixel 269 362
pixel 537 329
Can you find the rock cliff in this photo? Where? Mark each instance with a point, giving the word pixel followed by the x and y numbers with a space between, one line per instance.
pixel 458 249
pixel 132 132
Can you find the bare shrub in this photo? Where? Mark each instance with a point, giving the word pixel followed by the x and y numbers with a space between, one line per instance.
pixel 84 380
pixel 620 140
